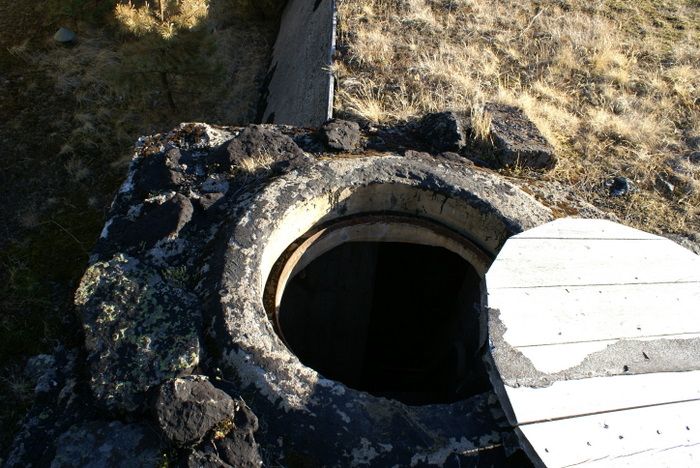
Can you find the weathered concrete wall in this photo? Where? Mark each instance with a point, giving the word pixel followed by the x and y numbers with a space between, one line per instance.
pixel 175 287
pixel 298 89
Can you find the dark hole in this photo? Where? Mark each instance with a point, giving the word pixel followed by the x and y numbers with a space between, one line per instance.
pixel 393 319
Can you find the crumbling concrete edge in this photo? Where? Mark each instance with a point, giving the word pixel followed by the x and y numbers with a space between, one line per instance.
pixel 252 356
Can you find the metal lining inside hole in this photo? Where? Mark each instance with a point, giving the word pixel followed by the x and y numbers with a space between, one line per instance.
pixel 385 304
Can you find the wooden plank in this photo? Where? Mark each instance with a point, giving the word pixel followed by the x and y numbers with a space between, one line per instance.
pixel 551 359
pixel 553 262
pixel 571 398
pixel 558 357
pixel 589 313
pixel 611 437
pixel 603 296
pixel 673 457
pixel 572 228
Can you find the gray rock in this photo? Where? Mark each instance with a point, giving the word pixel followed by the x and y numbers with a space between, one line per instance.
pixel 340 135
pixel 210 201
pixel 239 447
pixel 454 158
pixel 166 219
pixel 154 223
pixel 61 401
pixel 619 186
pixel 445 131
pixel 261 145
pixel 140 330
pixel 188 408
pixel 236 448
pixel 38 365
pixel 517 140
pixel 98 444
pixel 667 184
pixel 64 35
pixel 155 175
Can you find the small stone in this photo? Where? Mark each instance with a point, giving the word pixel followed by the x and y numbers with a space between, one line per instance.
pixel 37 366
pixel 340 135
pixel 445 131
pixel 64 35
pixel 619 106
pixel 259 145
pixel 239 447
pixel 517 140
pixel 619 186
pixel 209 201
pixel 187 408
pixel 665 186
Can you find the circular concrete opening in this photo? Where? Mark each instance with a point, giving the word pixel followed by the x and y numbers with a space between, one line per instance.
pixel 291 222
pixel 384 303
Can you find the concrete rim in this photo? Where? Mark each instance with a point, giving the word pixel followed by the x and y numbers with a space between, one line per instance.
pixel 364 228
pixel 475 204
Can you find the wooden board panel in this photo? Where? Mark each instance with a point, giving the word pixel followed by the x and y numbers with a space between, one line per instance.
pixel 586 313
pixel 673 457
pixel 672 431
pixel 669 352
pixel 591 301
pixel 572 228
pixel 565 262
pixel 571 398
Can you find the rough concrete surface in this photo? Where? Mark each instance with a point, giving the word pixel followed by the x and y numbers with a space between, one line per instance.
pixel 191 302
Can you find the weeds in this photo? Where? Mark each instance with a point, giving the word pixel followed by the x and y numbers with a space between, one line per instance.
pixel 258 163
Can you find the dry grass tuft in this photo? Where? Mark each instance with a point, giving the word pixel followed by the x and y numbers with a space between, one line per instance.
pixel 614 85
pixel 259 163
pixel 165 18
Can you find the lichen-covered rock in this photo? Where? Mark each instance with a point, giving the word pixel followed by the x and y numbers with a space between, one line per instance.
pixel 187 408
pixel 157 173
pixel 140 330
pixel 98 444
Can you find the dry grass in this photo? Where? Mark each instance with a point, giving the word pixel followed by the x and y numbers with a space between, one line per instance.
pixel 257 163
pixel 165 18
pixel 614 85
